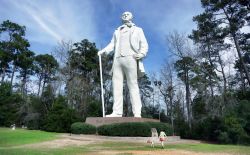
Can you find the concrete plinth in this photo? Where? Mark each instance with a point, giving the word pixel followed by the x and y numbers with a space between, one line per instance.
pixel 98 121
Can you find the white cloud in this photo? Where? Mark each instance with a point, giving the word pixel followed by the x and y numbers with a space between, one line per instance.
pixel 48 22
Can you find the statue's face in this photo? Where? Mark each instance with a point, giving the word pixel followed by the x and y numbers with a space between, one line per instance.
pixel 127 16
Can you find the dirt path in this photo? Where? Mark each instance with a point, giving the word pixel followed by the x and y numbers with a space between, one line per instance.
pixel 67 140
pixel 80 140
pixel 154 152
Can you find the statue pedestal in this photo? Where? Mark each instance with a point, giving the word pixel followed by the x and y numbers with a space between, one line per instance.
pixel 98 121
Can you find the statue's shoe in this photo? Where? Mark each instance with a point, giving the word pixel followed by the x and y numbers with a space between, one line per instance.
pixel 114 115
pixel 139 116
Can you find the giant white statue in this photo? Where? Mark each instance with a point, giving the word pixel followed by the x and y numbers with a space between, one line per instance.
pixel 129 46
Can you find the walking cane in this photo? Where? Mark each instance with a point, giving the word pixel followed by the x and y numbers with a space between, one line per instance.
pixel 100 63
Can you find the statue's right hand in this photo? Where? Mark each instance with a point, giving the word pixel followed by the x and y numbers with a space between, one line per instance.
pixel 100 52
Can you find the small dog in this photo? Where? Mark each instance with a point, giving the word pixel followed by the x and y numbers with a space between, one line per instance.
pixel 13 126
pixel 154 137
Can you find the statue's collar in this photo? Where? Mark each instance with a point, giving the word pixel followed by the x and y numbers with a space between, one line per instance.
pixel 130 25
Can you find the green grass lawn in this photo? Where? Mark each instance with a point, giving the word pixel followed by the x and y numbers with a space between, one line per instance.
pixel 196 147
pixel 10 142
pixel 16 137
pixel 203 147
pixel 30 151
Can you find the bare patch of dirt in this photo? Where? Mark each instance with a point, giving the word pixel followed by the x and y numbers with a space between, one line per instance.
pixel 67 140
pixel 155 152
pixel 59 143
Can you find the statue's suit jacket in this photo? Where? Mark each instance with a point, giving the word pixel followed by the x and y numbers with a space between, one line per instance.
pixel 138 43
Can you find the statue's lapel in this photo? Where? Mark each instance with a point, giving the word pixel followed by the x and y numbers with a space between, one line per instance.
pixel 131 32
pixel 132 29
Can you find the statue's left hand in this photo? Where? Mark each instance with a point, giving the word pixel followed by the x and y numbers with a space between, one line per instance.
pixel 100 52
pixel 138 56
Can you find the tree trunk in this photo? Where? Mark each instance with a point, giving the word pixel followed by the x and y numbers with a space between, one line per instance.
pixel 43 85
pixel 223 74
pixel 39 86
pixel 12 75
pixel 171 99
pixel 23 86
pixel 237 48
pixel 242 80
pixel 224 85
pixel 240 58
pixel 209 75
pixel 3 75
pixel 171 108
pixel 211 85
pixel 188 98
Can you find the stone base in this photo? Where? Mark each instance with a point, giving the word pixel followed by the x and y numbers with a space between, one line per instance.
pixel 98 121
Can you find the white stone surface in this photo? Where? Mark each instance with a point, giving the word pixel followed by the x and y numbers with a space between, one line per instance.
pixel 130 47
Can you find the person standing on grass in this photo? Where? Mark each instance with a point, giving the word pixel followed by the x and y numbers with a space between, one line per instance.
pixel 162 138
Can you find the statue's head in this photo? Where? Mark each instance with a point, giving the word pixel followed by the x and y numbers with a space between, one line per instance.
pixel 127 17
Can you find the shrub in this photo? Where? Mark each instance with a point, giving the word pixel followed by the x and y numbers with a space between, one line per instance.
pixel 125 129
pixel 212 128
pixel 162 127
pixel 244 139
pixel 133 129
pixel 82 128
pixel 32 120
pixel 224 138
pixel 94 108
pixel 234 129
pixel 243 112
pixel 10 104
pixel 60 117
pixel 185 132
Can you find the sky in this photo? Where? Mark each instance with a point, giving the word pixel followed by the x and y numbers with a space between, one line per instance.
pixel 50 21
